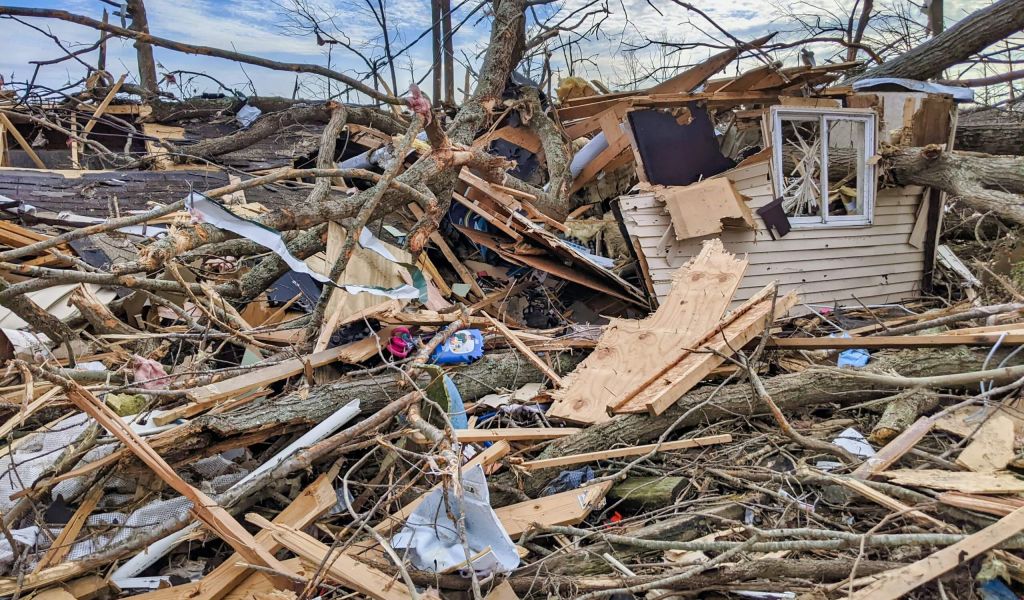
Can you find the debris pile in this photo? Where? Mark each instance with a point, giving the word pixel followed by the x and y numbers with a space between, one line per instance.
pixel 679 341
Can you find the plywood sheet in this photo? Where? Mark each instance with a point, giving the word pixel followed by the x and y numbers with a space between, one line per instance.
pixel 967 483
pixel 630 351
pixel 700 209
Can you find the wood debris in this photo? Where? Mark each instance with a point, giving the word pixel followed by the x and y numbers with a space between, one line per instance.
pixel 723 336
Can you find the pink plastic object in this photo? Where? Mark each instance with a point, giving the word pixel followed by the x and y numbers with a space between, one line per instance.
pixel 400 344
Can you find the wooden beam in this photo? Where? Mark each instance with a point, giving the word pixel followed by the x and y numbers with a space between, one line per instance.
pixel 21 141
pixel 209 512
pixel 576 459
pixel 339 566
pixel 896 583
pixel 513 434
pixel 529 354
pixel 901 341
pixel 230 575
pixel 103 105
pixel 66 538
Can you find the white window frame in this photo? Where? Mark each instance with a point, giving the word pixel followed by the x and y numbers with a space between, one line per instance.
pixel 866 190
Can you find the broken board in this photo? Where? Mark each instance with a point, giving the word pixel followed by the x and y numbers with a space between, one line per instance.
pixel 631 351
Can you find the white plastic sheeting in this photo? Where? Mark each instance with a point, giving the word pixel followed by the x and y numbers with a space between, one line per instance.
pixel 432 539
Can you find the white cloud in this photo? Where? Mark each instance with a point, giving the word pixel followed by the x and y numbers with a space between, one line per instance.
pixel 254 27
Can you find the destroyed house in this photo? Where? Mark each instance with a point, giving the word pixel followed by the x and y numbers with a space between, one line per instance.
pixel 808 210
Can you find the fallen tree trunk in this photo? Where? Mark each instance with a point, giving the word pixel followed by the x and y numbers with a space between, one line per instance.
pixel 990 130
pixel 820 571
pixel 790 392
pixel 984 182
pixel 970 35
pixel 265 417
pixel 271 123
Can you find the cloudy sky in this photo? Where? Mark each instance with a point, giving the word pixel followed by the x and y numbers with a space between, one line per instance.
pixel 261 27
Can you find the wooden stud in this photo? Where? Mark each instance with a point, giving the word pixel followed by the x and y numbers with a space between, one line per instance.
pixel 338 565
pixel 529 354
pixel 6 123
pixel 66 538
pixel 576 459
pixel 103 105
pixel 464 274
pixel 895 449
pixel 896 583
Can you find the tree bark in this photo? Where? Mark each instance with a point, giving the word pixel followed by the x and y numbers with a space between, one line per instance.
pixel 271 416
pixel 143 51
pixel 983 182
pixel 790 392
pixel 991 130
pixel 272 123
pixel 973 33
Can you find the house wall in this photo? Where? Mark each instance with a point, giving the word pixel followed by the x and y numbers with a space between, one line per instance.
pixel 875 264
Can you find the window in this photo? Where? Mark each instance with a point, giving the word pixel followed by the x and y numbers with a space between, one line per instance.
pixel 823 161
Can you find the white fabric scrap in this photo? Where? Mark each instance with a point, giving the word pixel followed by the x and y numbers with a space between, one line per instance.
pixel 432 539
pixel 26 537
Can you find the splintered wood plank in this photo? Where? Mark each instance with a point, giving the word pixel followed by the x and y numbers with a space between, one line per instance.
pixel 962 481
pixel 218 520
pixel 630 352
pixel 991 447
pixel 899 582
pixel 464 274
pixel 564 508
pixel 315 500
pixel 521 347
pixel 739 328
pixel 66 538
pixel 339 566
pixel 209 395
pixel 586 457
pixel 895 449
pixel 696 75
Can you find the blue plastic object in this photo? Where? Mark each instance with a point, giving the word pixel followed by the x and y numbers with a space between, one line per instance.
pixel 854 357
pixel 461 348
pixel 456 407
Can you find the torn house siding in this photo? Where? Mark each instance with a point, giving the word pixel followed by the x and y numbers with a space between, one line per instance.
pixel 874 264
